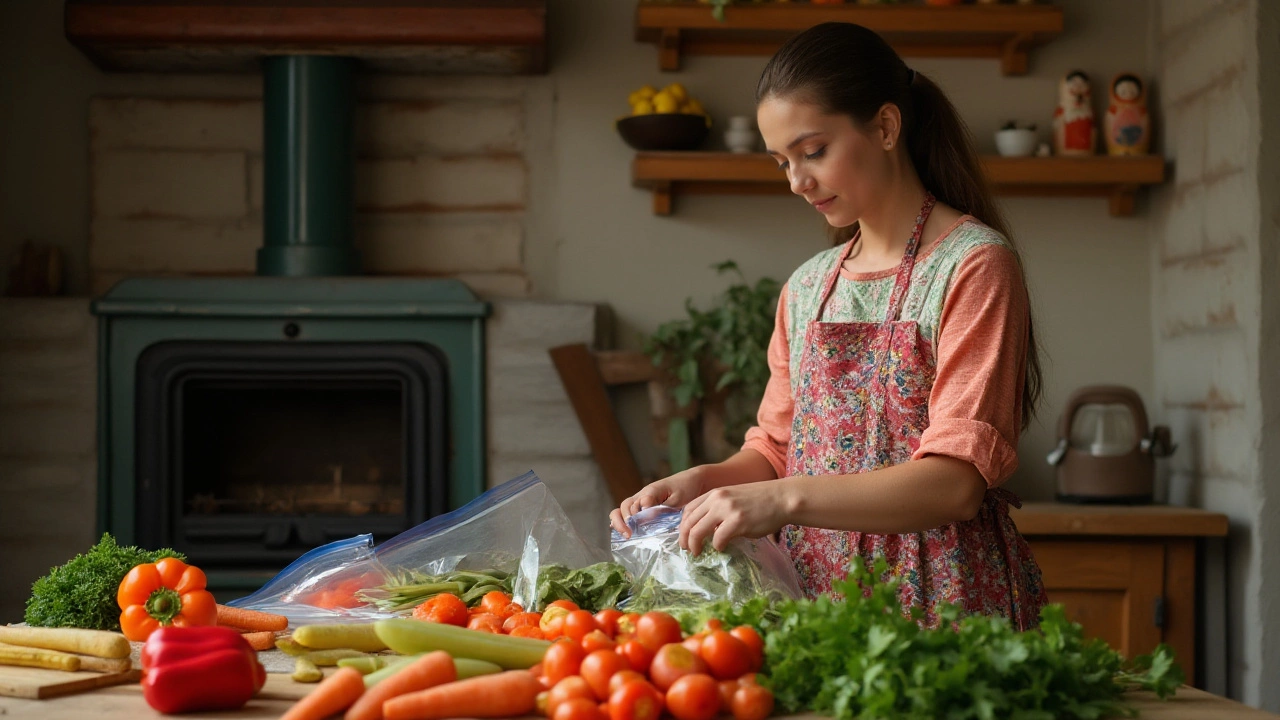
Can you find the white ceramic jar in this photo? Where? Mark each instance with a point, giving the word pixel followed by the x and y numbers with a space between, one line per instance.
pixel 741 136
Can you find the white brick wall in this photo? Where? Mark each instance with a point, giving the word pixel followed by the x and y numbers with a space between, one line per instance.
pixel 441 188
pixel 48 473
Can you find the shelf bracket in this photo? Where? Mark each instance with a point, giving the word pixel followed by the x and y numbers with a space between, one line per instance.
pixel 662 198
pixel 1122 200
pixel 1013 56
pixel 669 49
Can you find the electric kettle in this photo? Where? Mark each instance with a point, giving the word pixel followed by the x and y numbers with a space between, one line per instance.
pixel 1105 453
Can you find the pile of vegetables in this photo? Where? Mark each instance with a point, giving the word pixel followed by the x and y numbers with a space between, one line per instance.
pixel 82 592
pixel 865 659
pixel 595 586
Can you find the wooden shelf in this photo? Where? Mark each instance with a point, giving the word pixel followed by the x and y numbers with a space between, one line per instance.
pixel 1118 178
pixel 397 36
pixel 999 31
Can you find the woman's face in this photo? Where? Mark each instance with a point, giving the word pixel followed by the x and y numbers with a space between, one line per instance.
pixel 834 165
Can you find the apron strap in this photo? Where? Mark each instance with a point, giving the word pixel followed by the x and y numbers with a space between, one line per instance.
pixel 903 280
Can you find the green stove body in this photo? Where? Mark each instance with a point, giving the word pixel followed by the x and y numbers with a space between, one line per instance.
pixel 244 421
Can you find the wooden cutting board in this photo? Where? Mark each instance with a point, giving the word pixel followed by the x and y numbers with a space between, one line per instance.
pixel 38 683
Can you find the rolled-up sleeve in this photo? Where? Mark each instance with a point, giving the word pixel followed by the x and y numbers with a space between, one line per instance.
pixel 772 433
pixel 975 406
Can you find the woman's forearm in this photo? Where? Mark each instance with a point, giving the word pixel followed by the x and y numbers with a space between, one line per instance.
pixel 911 497
pixel 745 466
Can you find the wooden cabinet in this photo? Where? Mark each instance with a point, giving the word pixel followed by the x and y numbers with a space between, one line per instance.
pixel 1129 575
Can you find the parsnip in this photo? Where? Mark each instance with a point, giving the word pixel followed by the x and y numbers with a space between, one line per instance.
pixel 99 643
pixel 358 636
pixel 38 658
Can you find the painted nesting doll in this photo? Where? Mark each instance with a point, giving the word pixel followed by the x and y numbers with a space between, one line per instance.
pixel 1074 129
pixel 1127 126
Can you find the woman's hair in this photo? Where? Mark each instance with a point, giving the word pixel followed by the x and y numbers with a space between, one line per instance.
pixel 847 69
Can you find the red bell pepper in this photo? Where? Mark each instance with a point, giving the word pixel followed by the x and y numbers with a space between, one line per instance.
pixel 199 668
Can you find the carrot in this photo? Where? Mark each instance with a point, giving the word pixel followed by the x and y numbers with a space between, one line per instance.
pixel 264 640
pixel 428 671
pixel 335 694
pixel 251 619
pixel 508 694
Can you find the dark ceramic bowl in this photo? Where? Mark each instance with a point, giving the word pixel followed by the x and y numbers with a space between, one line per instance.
pixel 663 131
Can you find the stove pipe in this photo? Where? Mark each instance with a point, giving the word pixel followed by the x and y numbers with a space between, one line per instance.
pixel 308 167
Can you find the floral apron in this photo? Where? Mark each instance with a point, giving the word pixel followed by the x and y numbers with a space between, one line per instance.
pixel 862 403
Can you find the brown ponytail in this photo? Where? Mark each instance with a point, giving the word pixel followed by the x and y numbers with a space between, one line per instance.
pixel 846 68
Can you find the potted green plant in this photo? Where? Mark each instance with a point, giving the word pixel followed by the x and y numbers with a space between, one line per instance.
pixel 715 367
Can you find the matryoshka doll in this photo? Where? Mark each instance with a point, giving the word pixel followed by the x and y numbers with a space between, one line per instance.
pixel 1127 125
pixel 1074 130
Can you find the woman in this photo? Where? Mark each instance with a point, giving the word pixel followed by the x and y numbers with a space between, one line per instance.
pixel 903 360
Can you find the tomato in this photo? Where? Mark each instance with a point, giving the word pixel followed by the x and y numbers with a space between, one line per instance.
pixel 578 623
pixel 607 619
pixel 751 702
pixel 561 660
pixel 627 623
pixel 599 667
pixel 672 662
pixel 727 689
pixel 568 688
pixel 712 625
pixel 520 620
pixel 754 643
pixel 727 656
pixel 485 622
pixel 540 704
pixel 597 640
pixel 694 643
pixel 635 701
pixel 638 656
pixel 568 605
pixel 577 709
pixel 694 697
pixel 494 602
pixel 445 608
pixel 622 677
pixel 552 622
pixel 656 628
pixel 529 631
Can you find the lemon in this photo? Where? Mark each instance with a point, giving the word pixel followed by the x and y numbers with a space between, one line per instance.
pixel 693 107
pixel 677 91
pixel 664 102
pixel 644 107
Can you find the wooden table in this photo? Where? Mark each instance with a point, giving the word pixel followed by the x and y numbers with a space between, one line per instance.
pixel 1128 574
pixel 124 702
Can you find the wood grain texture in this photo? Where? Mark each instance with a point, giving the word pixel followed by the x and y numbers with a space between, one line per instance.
pixel 39 684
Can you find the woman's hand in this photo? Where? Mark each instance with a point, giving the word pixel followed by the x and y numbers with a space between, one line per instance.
pixel 674 491
pixel 752 510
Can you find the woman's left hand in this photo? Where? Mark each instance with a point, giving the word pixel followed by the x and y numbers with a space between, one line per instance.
pixel 752 510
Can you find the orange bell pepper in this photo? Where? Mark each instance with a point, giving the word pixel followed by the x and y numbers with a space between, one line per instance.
pixel 166 592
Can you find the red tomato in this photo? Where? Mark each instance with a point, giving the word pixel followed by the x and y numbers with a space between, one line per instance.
pixel 561 660
pixel 578 709
pixel 495 602
pixel 486 622
pixel 566 604
pixel 622 677
pixel 694 697
pixel 578 623
pixel 598 669
pixel 727 689
pixel 694 643
pixel 638 656
pixel 712 625
pixel 520 620
pixel 727 656
pixel 566 689
pixel 444 608
pixel 540 705
pixel 529 631
pixel 552 622
pixel 607 619
pixel 627 623
pixel 656 628
pixel 635 701
pixel 751 702
pixel 672 662
pixel 597 640
pixel 754 643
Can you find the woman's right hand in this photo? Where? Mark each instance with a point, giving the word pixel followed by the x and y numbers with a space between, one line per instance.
pixel 674 491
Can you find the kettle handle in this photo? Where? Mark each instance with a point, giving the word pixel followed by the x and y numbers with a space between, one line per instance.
pixel 1103 394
